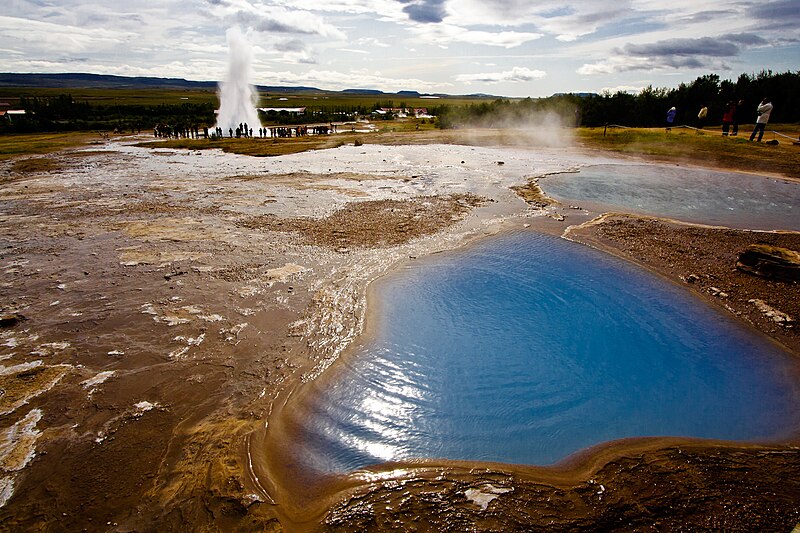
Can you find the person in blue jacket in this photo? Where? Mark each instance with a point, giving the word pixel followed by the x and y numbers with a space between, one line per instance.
pixel 671 117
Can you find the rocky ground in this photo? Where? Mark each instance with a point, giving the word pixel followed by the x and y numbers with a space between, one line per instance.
pixel 156 303
pixel 704 260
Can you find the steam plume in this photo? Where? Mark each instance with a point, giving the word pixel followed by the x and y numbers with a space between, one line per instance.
pixel 237 98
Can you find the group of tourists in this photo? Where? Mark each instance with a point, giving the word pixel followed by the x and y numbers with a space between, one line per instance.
pixel 167 131
pixel 298 131
pixel 731 117
pixel 278 132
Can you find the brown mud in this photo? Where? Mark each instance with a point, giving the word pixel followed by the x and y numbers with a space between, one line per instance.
pixel 164 307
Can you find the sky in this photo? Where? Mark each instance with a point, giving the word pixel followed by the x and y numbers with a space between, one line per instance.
pixel 514 48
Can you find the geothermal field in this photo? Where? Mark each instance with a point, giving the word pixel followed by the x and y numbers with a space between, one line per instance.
pixel 169 314
pixel 488 329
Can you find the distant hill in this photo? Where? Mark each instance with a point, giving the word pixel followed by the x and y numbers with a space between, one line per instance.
pixel 106 81
pixel 363 92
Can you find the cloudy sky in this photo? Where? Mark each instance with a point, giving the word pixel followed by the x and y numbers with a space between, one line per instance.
pixel 502 47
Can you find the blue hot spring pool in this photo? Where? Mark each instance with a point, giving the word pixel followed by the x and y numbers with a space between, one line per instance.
pixel 527 348
pixel 704 196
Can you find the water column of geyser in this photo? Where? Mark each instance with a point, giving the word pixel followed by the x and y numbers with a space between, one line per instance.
pixel 237 98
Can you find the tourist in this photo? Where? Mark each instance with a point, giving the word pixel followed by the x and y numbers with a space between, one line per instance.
pixel 727 117
pixel 670 117
pixel 701 117
pixel 764 110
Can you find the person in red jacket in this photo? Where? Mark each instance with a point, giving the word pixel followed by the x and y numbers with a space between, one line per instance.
pixel 728 117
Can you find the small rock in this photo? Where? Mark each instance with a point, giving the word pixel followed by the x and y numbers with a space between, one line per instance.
pixel 8 320
pixel 717 292
pixel 770 262
pixel 692 278
pixel 779 317
pixel 173 274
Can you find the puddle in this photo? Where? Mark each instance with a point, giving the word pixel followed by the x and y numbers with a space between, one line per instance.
pixel 702 196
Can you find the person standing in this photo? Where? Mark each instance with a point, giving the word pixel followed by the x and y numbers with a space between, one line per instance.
pixel 727 117
pixel 671 117
pixel 701 117
pixel 764 110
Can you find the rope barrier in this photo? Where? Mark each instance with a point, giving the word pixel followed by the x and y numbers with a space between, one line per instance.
pixel 783 135
pixel 795 141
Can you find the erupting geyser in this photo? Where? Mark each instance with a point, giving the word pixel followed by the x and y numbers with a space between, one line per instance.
pixel 237 98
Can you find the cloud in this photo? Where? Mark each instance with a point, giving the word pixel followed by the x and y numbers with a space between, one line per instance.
pixel 744 38
pixel 61 38
pixel 274 19
pixel 445 34
pixel 370 41
pixel 706 46
pixel 776 15
pixel 291 45
pixel 706 16
pixel 425 11
pixel 572 26
pixel 699 53
pixel 515 75
pixel 616 64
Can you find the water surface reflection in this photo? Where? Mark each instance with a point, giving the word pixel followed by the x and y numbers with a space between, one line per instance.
pixel 704 196
pixel 527 348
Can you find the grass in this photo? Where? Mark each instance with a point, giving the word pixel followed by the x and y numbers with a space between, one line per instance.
pixel 255 147
pixel 106 97
pixel 709 148
pixel 100 97
pixel 34 165
pixel 13 145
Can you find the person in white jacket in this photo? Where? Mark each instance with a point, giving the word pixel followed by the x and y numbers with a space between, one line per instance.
pixel 764 110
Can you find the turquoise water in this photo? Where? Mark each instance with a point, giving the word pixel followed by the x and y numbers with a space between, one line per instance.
pixel 527 348
pixel 705 196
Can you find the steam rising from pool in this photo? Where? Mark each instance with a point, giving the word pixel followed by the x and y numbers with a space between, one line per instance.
pixel 237 97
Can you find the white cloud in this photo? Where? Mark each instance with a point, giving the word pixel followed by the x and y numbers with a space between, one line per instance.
pixel 274 19
pixel 445 34
pixel 370 41
pixel 515 75
pixel 36 35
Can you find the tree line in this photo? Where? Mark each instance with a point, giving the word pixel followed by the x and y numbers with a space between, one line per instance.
pixel 648 108
pixel 64 113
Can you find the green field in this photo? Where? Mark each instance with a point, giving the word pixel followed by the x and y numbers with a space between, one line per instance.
pixel 13 145
pixel 152 97
pixel 708 148
pixel 148 97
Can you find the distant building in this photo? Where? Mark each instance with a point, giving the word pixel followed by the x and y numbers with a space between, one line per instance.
pixel 9 114
pixel 404 112
pixel 290 110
